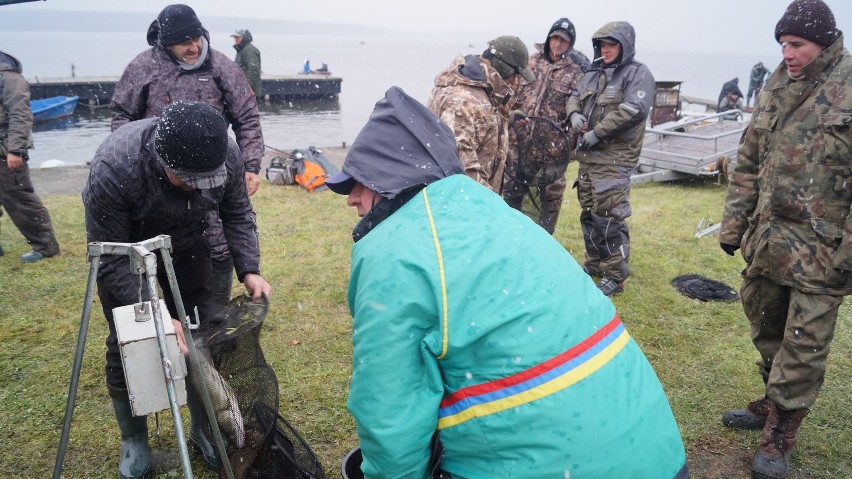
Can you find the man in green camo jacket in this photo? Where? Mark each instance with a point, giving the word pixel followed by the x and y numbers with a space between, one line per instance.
pixel 788 207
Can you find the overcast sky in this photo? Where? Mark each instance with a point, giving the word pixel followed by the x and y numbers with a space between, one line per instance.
pixel 690 25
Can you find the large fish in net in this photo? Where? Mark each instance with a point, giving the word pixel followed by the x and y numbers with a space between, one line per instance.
pixel 244 392
pixel 539 160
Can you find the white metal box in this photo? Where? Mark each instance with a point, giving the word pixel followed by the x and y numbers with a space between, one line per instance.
pixel 140 356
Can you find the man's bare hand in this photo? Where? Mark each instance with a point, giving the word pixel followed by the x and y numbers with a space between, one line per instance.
pixel 14 161
pixel 252 182
pixel 181 339
pixel 256 285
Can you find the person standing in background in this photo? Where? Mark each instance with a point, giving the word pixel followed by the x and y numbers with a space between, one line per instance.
pixel 609 109
pixel 556 76
pixel 789 207
pixel 473 97
pixel 24 206
pixel 755 82
pixel 248 59
pixel 181 65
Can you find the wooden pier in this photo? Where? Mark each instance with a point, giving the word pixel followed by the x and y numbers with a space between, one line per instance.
pixel 94 91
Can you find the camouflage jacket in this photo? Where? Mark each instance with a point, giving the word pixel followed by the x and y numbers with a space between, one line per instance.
pixel 548 95
pixel 471 98
pixel 154 79
pixel 789 198
pixel 16 117
pixel 616 100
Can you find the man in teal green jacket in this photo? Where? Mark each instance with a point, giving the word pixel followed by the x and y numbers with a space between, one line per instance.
pixel 471 320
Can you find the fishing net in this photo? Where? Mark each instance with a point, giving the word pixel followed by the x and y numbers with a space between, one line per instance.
pixel 540 159
pixel 704 289
pixel 244 392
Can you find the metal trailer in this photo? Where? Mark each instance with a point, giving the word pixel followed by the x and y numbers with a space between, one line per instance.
pixel 688 148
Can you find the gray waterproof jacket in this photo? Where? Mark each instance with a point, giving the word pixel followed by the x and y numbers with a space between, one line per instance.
pixel 154 79
pixel 16 118
pixel 617 108
pixel 128 198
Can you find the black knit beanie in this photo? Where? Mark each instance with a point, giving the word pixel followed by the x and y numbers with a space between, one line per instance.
pixel 192 142
pixel 178 23
pixel 809 19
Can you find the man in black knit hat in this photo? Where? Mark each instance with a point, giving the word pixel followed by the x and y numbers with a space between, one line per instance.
pixel 181 65
pixel 789 210
pixel 162 176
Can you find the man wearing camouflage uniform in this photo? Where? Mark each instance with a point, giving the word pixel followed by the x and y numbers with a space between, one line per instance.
pixel 788 207
pixel 473 96
pixel 556 76
pixel 609 109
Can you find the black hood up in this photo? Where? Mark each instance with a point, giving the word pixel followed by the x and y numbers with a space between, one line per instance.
pixel 561 24
pixel 402 148
pixel 403 145
pixel 10 63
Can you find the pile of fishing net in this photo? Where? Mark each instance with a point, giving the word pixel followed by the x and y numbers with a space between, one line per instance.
pixel 705 289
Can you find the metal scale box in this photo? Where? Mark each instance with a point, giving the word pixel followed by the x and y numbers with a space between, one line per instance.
pixel 140 357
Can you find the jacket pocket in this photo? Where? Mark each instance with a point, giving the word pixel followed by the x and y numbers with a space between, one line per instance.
pixel 836 137
pixel 830 234
pixel 748 241
pixel 765 121
pixel 612 95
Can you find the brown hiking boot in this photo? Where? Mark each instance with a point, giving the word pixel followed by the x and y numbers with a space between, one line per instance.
pixel 752 417
pixel 776 443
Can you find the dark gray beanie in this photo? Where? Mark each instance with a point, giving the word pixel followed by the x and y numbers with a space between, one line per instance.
pixel 178 23
pixel 809 19
pixel 192 141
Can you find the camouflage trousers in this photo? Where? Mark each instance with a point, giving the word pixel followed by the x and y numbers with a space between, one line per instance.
pixel 604 195
pixel 792 331
pixel 546 200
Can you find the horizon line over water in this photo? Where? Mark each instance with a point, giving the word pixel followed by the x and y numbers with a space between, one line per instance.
pixel 368 66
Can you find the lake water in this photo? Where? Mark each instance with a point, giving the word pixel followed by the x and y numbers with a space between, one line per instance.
pixel 367 65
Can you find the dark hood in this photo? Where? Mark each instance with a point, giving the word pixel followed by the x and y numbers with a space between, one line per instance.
pixel 245 40
pixel 624 34
pixel 10 63
pixel 402 146
pixel 561 24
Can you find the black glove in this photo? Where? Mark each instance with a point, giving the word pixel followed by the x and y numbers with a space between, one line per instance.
pixel 729 248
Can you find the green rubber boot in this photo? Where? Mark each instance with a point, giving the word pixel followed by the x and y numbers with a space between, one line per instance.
pixel 198 425
pixel 135 461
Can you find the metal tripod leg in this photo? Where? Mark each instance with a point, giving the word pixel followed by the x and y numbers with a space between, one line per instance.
pixel 142 260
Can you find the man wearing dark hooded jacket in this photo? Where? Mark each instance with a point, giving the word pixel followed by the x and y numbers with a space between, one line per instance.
pixel 609 109
pixel 181 65
pixel 508 354
pixel 162 176
pixel 556 77
pixel 248 59
pixel 24 206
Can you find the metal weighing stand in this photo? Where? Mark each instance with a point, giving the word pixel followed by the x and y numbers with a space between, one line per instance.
pixel 143 262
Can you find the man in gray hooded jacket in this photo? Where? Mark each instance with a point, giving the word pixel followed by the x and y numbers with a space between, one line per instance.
pixel 609 110
pixel 24 206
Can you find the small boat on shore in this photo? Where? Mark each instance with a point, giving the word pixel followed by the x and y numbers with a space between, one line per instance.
pixel 47 109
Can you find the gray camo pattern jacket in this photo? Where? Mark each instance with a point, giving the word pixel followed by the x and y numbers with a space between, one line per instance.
pixel 154 79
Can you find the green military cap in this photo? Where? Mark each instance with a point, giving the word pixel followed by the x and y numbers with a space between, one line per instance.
pixel 510 56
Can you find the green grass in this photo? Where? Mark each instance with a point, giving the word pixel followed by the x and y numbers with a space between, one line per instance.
pixel 701 351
